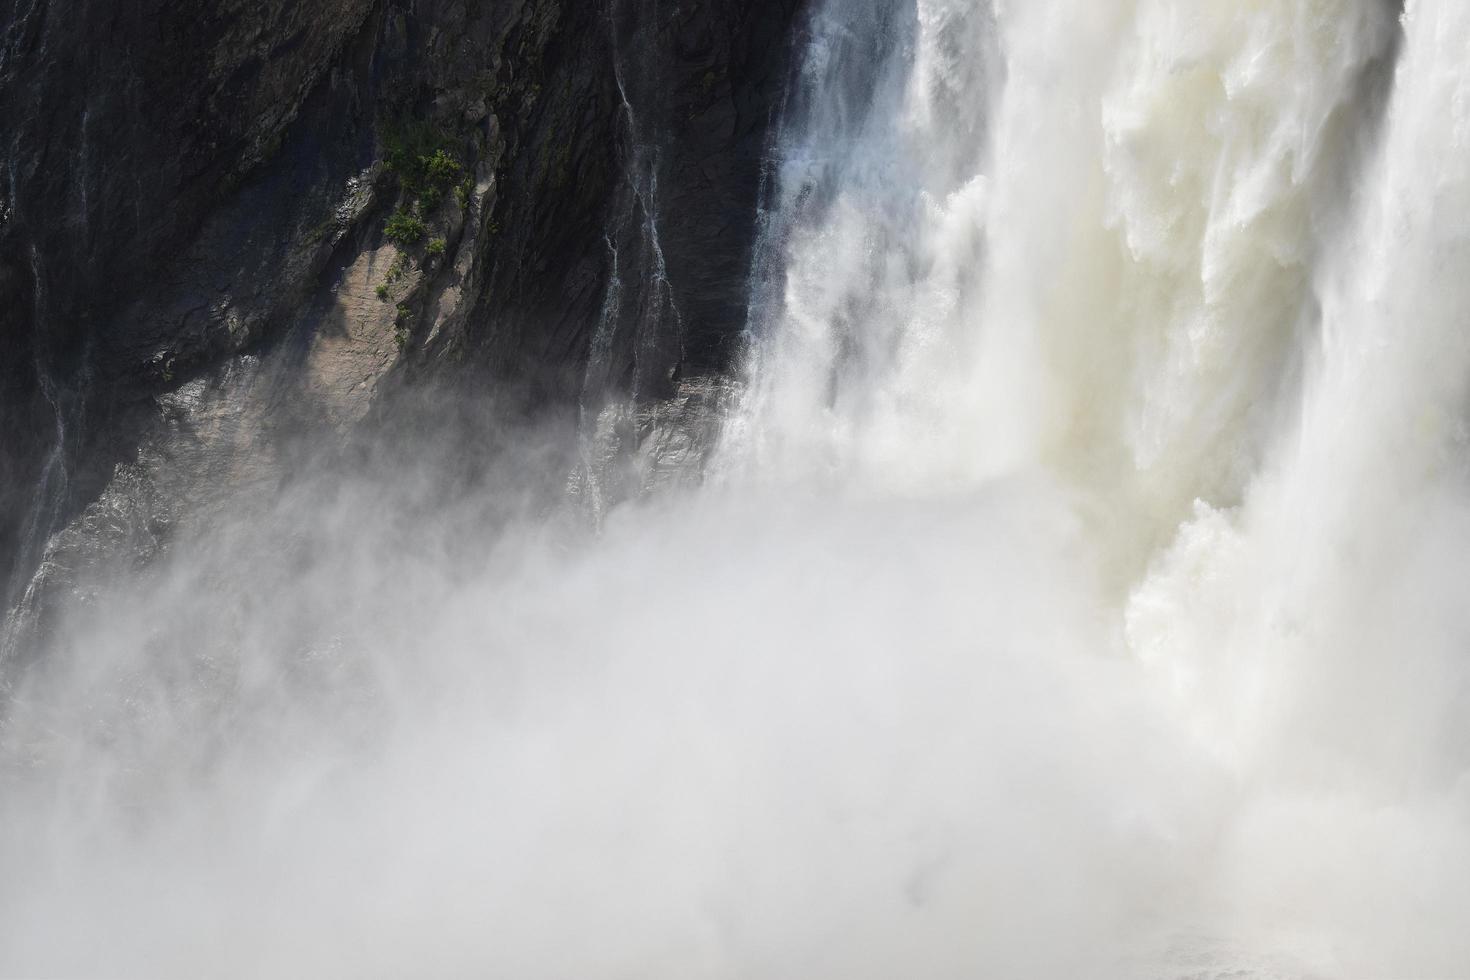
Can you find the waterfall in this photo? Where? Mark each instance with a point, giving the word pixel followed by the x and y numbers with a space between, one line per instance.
pixel 1077 586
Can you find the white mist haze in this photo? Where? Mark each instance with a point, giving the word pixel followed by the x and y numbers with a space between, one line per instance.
pixel 1079 587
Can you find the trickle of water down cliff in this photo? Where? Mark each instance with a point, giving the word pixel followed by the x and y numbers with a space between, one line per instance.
pixel 1075 580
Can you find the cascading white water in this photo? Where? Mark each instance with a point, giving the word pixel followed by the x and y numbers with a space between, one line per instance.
pixel 1201 265
pixel 1074 238
pixel 1079 591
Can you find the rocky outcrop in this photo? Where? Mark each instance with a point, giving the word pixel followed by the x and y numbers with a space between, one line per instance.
pixel 127 127
pixel 226 224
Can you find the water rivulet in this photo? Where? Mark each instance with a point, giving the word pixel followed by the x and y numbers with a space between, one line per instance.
pixel 1076 585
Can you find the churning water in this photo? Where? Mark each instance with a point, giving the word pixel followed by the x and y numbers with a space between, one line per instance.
pixel 1080 586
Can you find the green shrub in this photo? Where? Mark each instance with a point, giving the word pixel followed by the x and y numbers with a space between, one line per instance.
pixel 422 158
pixel 406 144
pixel 436 247
pixel 404 228
pixel 402 324
pixel 382 290
pixel 440 169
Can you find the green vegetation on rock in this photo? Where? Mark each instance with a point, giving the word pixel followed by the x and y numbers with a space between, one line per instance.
pixel 422 158
pixel 404 228
pixel 441 170
pixel 463 192
pixel 401 325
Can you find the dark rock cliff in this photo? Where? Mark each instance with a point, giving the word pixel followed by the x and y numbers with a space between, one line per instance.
pixel 225 222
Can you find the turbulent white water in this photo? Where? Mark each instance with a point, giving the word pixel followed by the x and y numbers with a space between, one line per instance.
pixel 1079 589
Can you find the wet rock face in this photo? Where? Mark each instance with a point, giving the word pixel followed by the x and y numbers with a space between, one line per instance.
pixel 722 101
pixel 645 171
pixel 124 125
pixel 127 122
pixel 184 184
